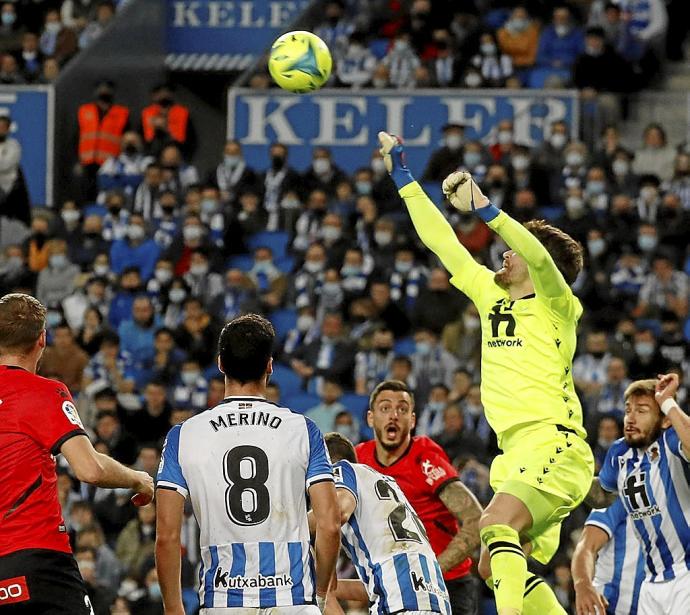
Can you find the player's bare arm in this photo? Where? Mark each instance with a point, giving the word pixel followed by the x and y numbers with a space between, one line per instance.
pixel 94 468
pixel 598 497
pixel 352 589
pixel 460 501
pixel 587 598
pixel 433 229
pixel 666 388
pixel 169 515
pixel 324 503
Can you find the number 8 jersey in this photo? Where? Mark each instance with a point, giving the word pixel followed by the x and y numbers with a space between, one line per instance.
pixel 388 545
pixel 246 466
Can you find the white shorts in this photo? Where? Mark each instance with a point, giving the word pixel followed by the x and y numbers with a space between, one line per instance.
pixel 306 609
pixel 668 598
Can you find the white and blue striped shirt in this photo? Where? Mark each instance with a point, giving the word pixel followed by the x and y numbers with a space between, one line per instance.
pixel 388 546
pixel 620 564
pixel 654 485
pixel 246 465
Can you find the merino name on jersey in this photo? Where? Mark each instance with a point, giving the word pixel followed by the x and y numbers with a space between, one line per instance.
pixel 245 419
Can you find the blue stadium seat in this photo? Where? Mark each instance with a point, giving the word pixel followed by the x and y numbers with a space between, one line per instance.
pixel 283 321
pixel 356 404
pixel 285 264
pixel 404 346
pixel 300 402
pixel 495 19
pixel 551 213
pixel 212 371
pixel 289 382
pixel 379 47
pixel 241 261
pixel 276 240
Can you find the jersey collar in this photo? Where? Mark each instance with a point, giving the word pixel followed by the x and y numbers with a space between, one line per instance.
pixel 407 450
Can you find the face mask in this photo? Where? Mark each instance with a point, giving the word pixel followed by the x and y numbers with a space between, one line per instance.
pixel 574 159
pixel 518 24
pixel 453 142
pixel 472 159
pixel 330 288
pixel 57 261
pixel 349 431
pixel 596 247
pixel 189 378
pixel 520 163
pixel 305 322
pixel 192 233
pixel 86 566
pixel 200 269
pixel 648 194
pixel 155 592
pixel 403 266
pixel 53 27
pixel 163 275
pixel 471 323
pixel 422 348
pixel 384 350
pixel 69 216
pixel 593 51
pixel 330 233
pixel 321 166
pixel 350 271
pixel 209 206
pixel 435 406
pixel 473 80
pixel 647 243
pixel 363 187
pixel 400 45
pixel 105 97
pixel 101 270
pixel 504 137
pixel 114 211
pixel 230 160
pixel 313 266
pixel 15 262
pixel 562 30
pixel 277 162
pixel 131 150
pixel 620 167
pixel 596 186
pixel 644 349
pixel 603 443
pixel 177 295
pixel 383 238
pixel 574 205
pixel 378 166
pixel 135 232
pixel 558 140
pixel 168 211
pixel 8 19
pixel 488 49
pixel 263 266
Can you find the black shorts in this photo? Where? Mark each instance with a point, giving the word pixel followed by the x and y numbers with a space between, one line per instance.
pixel 34 581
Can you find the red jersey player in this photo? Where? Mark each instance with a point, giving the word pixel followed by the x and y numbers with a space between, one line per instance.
pixel 448 510
pixel 38 419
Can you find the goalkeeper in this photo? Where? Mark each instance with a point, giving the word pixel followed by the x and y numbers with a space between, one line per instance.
pixel 528 317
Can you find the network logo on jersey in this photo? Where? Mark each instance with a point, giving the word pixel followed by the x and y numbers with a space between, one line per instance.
pixel 225 581
pixel 420 585
pixel 503 325
pixel 432 472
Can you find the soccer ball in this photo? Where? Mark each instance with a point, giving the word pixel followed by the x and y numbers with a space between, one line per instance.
pixel 300 62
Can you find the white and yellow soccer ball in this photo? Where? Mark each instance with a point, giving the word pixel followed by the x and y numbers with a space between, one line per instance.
pixel 300 62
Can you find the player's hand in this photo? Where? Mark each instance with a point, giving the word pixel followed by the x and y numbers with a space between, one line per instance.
pixel 144 489
pixel 463 193
pixel 392 151
pixel 666 387
pixel 588 601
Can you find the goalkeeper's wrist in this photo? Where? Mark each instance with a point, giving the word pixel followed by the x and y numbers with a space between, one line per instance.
pixel 668 404
pixel 487 213
pixel 402 176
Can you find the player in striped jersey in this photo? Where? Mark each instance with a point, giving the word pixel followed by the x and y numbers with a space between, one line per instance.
pixel 613 585
pixel 649 468
pixel 385 540
pixel 247 465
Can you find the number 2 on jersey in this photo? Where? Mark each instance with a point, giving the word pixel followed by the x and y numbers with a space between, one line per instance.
pixel 247 500
pixel 395 520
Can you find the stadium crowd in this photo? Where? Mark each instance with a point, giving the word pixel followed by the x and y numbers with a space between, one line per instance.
pixel 142 269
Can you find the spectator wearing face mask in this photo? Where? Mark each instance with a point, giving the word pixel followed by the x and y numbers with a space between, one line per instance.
pixel 165 120
pixel 679 184
pixel 307 280
pixel 191 388
pixel 430 419
pixel 193 237
pixel 447 158
pixel 271 283
pixel 323 174
pixel 474 160
pixel 560 43
pixel 125 172
pixel 622 178
pixel 526 174
pixel 431 363
pixel 385 245
pixel 176 173
pixel 407 278
pixel 462 338
pixel 519 38
pixel 173 298
pixel 136 542
pixel 357 64
pixel 324 413
pixel 330 295
pixel 333 239
pixel 656 157
pixel 373 365
pixel 576 220
pixel 648 203
pixel 354 273
pixel 204 284
pixel 56 40
pixel 57 281
pixel 99 595
pixel 550 155
pixel 11 28
pixel 14 198
pixel 29 57
pixel 14 272
pixel 647 358
pixel 232 175
pixel 137 249
pixel 402 62
pixel 494 66
pixel 438 303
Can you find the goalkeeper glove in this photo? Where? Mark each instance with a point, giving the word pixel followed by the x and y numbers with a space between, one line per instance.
pixel 394 158
pixel 464 194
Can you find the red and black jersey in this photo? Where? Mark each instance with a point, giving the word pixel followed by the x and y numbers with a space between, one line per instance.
pixel 422 472
pixel 37 416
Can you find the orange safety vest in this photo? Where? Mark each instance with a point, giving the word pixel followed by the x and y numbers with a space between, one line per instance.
pixel 178 117
pixel 99 138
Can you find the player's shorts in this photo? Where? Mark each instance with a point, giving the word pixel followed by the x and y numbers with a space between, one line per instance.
pixel 36 581
pixel 667 598
pixel 549 468
pixel 306 609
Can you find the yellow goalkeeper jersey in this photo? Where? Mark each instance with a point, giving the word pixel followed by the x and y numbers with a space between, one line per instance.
pixel 527 344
